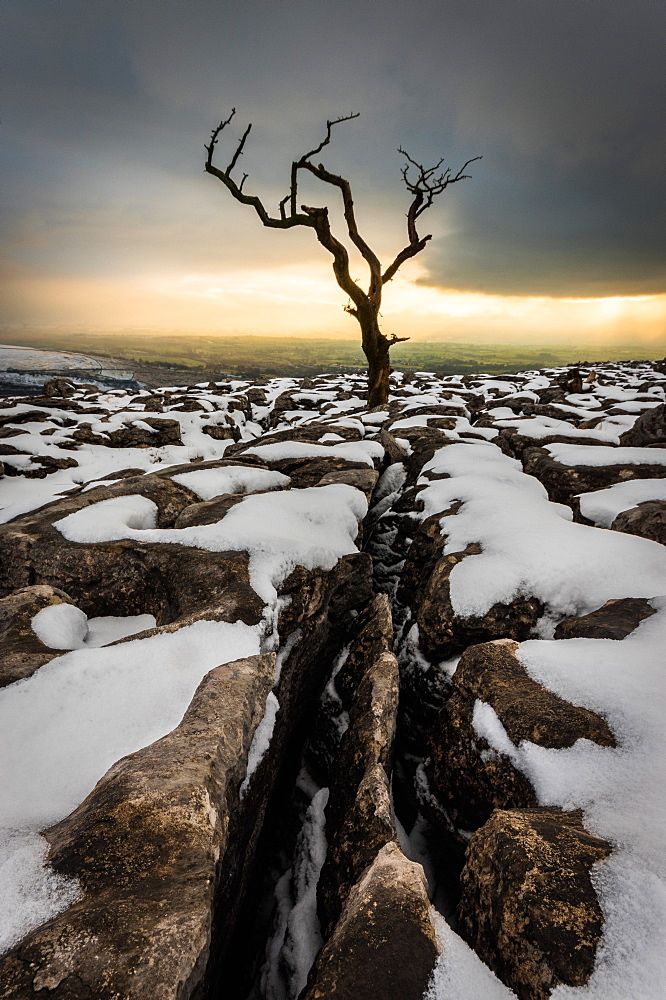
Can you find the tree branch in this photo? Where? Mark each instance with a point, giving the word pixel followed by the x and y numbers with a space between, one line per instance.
pixel 322 227
pixel 239 149
pixel 425 187
pixel 298 164
pixel 284 222
pixel 368 255
pixel 343 185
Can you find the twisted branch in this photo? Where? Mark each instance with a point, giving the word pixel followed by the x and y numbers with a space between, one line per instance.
pixel 424 187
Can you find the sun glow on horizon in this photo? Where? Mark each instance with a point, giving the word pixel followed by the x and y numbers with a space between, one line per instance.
pixel 303 300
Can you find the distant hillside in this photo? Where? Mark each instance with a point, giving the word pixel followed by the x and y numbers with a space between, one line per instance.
pixel 301 357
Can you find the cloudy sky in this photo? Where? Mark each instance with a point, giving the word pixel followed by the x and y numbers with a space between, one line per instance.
pixel 110 222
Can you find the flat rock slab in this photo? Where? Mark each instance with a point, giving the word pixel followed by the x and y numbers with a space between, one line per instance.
pixel 615 620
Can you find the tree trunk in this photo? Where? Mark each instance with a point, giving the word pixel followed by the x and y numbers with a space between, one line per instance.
pixel 376 350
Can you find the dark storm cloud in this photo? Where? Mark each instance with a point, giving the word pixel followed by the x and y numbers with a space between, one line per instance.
pixel 107 104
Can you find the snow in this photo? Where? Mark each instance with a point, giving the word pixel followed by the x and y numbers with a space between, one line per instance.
pixel 459 973
pixel 303 935
pixel 64 626
pixel 390 482
pixel 66 725
pixel 285 651
pixel 110 628
pixel 542 427
pixel 530 547
pixel 362 452
pixel 603 506
pixel 620 791
pixel 598 455
pixel 312 527
pixel 380 417
pixel 487 725
pixel 261 740
pixel 109 520
pixel 296 937
pixel 61 626
pixel 210 483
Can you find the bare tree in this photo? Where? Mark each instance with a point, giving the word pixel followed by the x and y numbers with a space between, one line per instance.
pixel 423 184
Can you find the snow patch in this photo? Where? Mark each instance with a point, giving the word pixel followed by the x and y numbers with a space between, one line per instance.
pixel 63 728
pixel 603 506
pixel 459 972
pixel 261 740
pixel 530 547
pixel 61 626
pixel 210 483
pixel 599 455
pixel 312 527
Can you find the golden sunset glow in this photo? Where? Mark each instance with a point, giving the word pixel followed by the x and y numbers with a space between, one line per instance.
pixel 303 300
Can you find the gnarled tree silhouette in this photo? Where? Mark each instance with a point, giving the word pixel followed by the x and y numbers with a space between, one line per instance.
pixel 424 184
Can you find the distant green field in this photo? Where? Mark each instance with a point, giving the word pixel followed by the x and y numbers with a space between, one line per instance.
pixel 270 356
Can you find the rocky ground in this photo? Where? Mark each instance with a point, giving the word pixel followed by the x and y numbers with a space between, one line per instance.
pixel 305 700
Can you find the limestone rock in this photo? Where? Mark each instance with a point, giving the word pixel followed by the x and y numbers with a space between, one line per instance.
pixel 303 472
pixel 649 429
pixel 520 443
pixel 147 847
pixel 423 554
pixel 373 636
pixel 129 577
pixel 442 633
pixel 615 620
pixel 648 520
pixel 27 416
pixel 396 452
pixel 59 387
pixel 528 908
pixel 565 482
pixel 358 814
pixel 208 511
pixel 163 431
pixel 306 591
pixel 313 633
pixel 363 479
pixel 221 432
pixel 468 777
pixel 312 431
pixel 384 944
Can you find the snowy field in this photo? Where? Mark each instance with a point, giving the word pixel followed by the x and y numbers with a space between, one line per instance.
pixel 94 702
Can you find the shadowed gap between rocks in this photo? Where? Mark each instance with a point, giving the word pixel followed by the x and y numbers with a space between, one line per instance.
pixel 313 761
pixel 239 937
pixel 240 966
